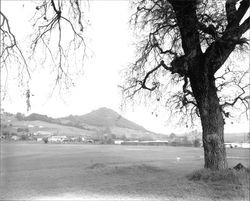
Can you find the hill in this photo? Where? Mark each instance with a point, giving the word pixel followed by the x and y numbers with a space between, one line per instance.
pixel 103 117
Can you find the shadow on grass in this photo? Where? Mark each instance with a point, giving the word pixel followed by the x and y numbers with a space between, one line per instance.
pixel 96 166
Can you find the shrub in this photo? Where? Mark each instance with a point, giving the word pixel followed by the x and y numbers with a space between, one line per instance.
pixel 24 137
pixel 79 139
pixel 4 126
pixel 6 133
pixel 197 143
pixel 45 140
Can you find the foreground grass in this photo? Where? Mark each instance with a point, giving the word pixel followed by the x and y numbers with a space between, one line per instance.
pixel 85 172
pixel 228 184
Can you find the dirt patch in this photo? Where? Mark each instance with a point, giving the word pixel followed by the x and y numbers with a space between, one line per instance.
pixel 96 166
pixel 134 169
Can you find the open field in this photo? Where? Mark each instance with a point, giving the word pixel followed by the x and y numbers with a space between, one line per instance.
pixel 109 172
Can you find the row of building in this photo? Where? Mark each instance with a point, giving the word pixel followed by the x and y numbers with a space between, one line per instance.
pixel 237 145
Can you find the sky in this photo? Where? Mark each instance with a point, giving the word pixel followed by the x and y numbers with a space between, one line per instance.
pixel 111 43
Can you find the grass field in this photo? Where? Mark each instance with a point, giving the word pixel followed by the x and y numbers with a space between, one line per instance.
pixel 109 172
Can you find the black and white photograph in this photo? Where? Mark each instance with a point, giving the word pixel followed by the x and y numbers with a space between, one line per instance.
pixel 124 100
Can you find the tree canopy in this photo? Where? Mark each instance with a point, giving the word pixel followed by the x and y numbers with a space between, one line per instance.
pixel 171 42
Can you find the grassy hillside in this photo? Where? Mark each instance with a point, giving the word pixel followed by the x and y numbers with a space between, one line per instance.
pixel 103 117
pixel 56 129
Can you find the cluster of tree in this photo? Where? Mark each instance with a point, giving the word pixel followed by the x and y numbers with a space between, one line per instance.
pixel 24 130
pixel 104 139
pixel 183 141
pixel 20 116
pixel 39 117
pixel 7 134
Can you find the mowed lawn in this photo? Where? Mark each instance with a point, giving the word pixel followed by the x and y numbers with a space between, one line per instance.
pixel 108 172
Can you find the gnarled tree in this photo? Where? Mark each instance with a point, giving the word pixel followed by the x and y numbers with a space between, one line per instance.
pixel 191 40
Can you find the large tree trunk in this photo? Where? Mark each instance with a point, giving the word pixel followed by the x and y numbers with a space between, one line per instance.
pixel 203 86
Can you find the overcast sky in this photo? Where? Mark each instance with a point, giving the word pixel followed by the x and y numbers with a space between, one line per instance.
pixel 111 42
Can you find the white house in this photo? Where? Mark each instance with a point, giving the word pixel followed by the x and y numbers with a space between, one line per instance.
pixel 118 141
pixel 232 145
pixel 39 139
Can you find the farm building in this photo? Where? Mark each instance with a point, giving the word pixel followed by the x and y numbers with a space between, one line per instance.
pixel 57 138
pixel 246 145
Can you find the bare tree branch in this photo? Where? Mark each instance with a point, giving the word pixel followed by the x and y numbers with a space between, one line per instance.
pixel 9 45
pixel 50 19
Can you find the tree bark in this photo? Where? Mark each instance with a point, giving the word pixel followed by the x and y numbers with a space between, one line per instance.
pixel 205 92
